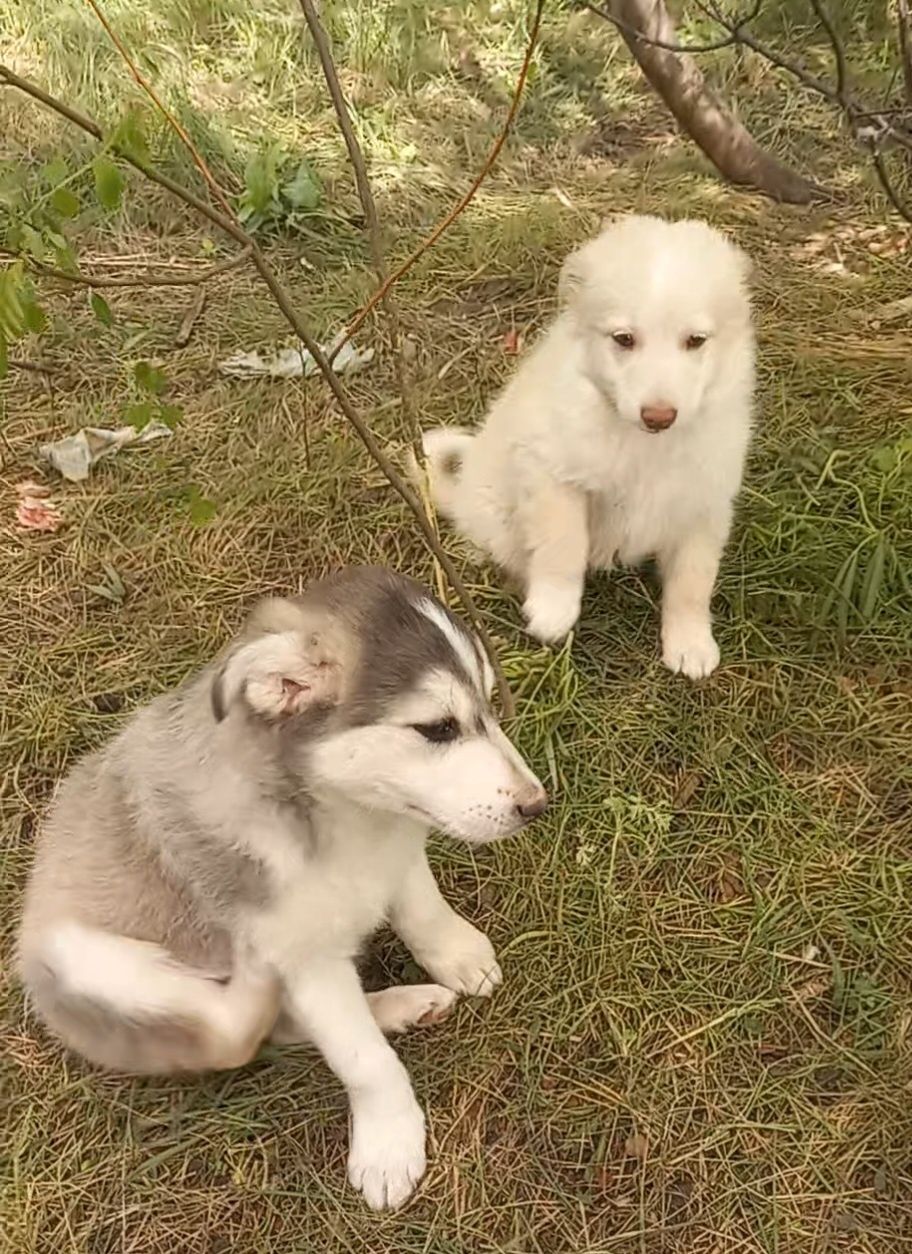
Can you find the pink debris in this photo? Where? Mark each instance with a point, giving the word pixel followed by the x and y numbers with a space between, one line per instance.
pixel 35 510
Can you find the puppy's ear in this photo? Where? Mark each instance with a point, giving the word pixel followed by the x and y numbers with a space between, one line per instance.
pixel 745 264
pixel 571 278
pixel 288 663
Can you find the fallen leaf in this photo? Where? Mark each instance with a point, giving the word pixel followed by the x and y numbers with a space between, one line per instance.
pixel 636 1146
pixel 689 783
pixel 730 885
pixel 811 989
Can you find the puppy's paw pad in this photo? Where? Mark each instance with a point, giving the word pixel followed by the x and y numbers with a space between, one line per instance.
pixel 690 651
pixel 551 612
pixel 412 1005
pixel 438 1007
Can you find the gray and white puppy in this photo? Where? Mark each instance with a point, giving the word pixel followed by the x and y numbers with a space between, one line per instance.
pixel 209 877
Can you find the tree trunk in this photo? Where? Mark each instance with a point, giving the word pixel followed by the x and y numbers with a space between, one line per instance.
pixel 677 78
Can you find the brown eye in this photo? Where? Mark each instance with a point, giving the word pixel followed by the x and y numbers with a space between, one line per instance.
pixel 694 342
pixel 624 339
pixel 438 733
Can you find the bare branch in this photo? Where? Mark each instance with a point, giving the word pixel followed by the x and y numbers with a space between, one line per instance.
pixel 269 278
pixel 469 196
pixel 172 121
pixel 872 128
pixel 901 206
pixel 839 55
pixel 626 28
pixel 770 54
pixel 649 33
pixel 371 218
pixel 140 280
pixel 35 367
pixel 904 23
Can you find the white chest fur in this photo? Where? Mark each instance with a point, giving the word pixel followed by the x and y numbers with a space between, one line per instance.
pixel 333 892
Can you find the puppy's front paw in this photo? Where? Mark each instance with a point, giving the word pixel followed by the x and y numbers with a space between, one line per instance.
pixel 387 1157
pixel 688 648
pixel 551 610
pixel 463 959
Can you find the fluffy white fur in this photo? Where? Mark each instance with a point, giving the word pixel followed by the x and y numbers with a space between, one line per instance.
pixel 565 474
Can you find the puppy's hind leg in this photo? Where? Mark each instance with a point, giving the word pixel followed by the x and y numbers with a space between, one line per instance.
pixel 554 523
pixel 128 1005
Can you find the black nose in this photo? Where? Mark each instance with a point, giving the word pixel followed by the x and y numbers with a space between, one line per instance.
pixel 535 806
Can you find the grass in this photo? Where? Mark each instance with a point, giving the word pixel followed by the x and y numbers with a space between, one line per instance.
pixel 704 1043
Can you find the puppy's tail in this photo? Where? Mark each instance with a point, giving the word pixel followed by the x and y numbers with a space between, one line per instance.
pixel 445 449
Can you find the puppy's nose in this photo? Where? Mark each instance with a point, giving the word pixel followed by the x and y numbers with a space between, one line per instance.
pixel 658 417
pixel 532 804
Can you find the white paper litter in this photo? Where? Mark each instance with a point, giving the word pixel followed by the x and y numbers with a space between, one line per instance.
pixel 294 362
pixel 75 455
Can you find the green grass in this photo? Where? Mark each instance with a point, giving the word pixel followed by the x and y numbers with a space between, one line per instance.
pixel 704 1042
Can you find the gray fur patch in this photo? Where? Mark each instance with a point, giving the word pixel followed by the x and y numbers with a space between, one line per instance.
pixel 397 643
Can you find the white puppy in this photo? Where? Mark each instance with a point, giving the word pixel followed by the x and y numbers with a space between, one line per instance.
pixel 622 436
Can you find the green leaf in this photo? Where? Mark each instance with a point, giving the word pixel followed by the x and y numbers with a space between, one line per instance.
pixel 55 171
pixel 35 317
pixel 149 378
pixel 32 242
pixel 873 580
pixel 65 202
pixel 202 510
pixel 108 183
pixel 12 301
pixel 885 458
pixel 4 357
pixel 261 185
pixel 139 415
pixel 844 603
pixel 170 415
pixel 129 136
pixel 304 190
pixel 101 309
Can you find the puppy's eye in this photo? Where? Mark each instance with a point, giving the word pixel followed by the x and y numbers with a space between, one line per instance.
pixel 624 339
pixel 695 341
pixel 438 733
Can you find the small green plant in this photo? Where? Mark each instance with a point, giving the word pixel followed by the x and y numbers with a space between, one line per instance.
pixel 276 194
pixel 876 569
pixel 150 383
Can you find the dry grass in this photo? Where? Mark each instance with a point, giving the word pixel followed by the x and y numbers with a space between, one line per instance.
pixel 703 1044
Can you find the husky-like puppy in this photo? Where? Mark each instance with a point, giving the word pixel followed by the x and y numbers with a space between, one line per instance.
pixel 209 877
pixel 622 436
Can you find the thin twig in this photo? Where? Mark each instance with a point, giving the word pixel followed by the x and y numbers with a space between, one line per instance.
pixel 469 196
pixel 839 55
pixel 237 232
pixel 904 23
pixel 854 112
pixel 727 41
pixel 190 319
pixel 902 208
pixel 371 217
pixel 35 367
pixel 140 280
pixel 172 121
